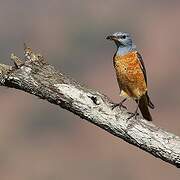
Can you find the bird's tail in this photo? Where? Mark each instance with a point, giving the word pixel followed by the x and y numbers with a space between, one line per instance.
pixel 144 102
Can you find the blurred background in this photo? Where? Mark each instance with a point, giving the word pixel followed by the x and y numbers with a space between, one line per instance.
pixel 40 141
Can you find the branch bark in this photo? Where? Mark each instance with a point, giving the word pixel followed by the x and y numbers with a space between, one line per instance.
pixel 37 77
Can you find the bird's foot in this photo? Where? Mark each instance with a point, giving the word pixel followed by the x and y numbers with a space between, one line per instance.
pixel 135 114
pixel 120 105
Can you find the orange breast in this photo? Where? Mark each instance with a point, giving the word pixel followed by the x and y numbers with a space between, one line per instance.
pixel 130 75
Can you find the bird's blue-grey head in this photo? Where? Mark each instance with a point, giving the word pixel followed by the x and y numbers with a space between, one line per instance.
pixel 123 42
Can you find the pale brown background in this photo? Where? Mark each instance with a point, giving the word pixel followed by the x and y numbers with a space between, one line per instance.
pixel 39 141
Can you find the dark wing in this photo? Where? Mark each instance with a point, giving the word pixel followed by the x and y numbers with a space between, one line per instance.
pixel 141 62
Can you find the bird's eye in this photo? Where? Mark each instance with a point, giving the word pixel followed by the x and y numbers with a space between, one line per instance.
pixel 123 37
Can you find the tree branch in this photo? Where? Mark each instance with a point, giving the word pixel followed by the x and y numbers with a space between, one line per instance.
pixel 37 77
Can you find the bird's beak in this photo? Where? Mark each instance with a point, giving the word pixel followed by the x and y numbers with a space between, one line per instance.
pixel 111 38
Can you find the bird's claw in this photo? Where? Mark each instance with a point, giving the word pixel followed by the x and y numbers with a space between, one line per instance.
pixel 135 114
pixel 120 106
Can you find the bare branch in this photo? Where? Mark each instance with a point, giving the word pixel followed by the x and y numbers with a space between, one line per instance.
pixel 37 77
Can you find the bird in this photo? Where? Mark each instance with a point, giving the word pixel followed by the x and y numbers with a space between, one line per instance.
pixel 131 74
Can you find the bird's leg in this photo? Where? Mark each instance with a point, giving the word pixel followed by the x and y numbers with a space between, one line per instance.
pixel 135 114
pixel 120 104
